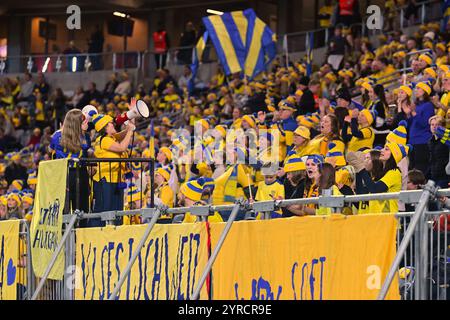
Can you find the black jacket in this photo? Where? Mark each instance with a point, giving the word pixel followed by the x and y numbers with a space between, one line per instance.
pixel 292 192
pixel 16 172
pixel 257 103
pixel 307 103
pixel 439 158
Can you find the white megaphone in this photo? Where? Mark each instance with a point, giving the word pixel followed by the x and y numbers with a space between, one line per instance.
pixel 140 110
pixel 89 111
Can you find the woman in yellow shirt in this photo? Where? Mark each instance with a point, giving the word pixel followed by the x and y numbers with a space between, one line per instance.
pixel 108 179
pixel 324 178
pixel 329 132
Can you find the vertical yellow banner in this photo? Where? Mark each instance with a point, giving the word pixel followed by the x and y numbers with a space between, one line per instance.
pixel 46 226
pixel 9 253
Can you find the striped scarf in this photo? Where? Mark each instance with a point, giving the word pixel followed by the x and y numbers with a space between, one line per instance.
pixel 231 186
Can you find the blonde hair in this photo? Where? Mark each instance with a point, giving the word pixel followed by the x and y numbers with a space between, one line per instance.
pixel 71 131
pixel 439 120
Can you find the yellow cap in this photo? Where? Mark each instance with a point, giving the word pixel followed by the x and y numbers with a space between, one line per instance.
pixel 100 121
pixel 167 152
pixel 303 132
pixel 192 190
pixel 250 120
pixel 426 58
pixel 398 151
pixel 164 172
pixel 431 72
pixel 406 90
pixel 294 163
pixel 424 86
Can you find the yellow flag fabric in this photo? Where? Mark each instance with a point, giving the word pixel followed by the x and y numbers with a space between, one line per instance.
pixel 46 226
pixel 308 258
pixel 9 253
pixel 168 267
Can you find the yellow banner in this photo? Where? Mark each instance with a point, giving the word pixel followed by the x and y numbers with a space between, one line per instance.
pixel 168 267
pixel 9 253
pixel 46 226
pixel 309 258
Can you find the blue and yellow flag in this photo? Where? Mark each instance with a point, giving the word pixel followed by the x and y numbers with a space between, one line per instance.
pixel 446 11
pixel 197 54
pixel 151 145
pixel 243 42
pixel 309 52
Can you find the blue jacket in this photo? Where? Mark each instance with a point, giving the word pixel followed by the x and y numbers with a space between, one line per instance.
pixel 418 127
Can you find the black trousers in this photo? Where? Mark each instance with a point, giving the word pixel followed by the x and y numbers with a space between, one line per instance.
pixel 160 60
pixel 78 199
pixel 419 158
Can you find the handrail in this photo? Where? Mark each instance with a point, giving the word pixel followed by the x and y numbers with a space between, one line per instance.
pixel 406 197
pixel 415 221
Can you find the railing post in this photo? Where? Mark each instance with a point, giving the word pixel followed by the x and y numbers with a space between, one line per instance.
pixel 114 61
pixel 215 253
pixel 418 215
pixel 423 258
pixel 133 258
pixel 30 278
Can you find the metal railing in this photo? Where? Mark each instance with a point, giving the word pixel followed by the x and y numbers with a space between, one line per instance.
pixel 146 61
pixel 420 263
pixel 127 175
pixel 296 41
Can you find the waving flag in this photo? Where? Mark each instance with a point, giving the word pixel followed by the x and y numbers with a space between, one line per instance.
pixel 151 145
pixel 446 11
pixel 197 54
pixel 243 42
pixel 309 52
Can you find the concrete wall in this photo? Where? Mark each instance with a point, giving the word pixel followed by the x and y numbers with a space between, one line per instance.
pixel 138 42
pixel 68 82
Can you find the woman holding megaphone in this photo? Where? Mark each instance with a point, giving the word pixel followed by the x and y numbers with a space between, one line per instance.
pixel 109 179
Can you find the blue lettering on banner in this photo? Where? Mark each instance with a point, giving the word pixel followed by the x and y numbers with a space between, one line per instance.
pixel 262 288
pixel 10 272
pixel 179 280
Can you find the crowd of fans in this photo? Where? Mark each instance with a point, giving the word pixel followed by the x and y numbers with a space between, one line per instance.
pixel 355 127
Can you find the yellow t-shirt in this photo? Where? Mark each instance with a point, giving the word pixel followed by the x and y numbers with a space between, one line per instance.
pixel 318 145
pixel 166 195
pixel 108 170
pixel 268 192
pixel 40 115
pixel 324 211
pixel 189 218
pixel 366 207
pixel 356 144
pixel 393 180
pixel 444 101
